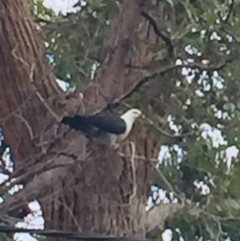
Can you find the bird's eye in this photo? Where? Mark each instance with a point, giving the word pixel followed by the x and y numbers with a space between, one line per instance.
pixel 136 113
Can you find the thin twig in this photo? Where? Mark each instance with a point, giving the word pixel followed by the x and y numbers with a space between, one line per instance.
pixel 133 150
pixel 230 10
pixel 16 57
pixel 26 124
pixel 167 40
pixel 58 118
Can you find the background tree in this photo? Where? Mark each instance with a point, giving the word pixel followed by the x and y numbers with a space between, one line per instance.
pixel 177 61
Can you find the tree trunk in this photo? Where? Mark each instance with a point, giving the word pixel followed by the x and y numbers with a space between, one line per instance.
pixel 80 187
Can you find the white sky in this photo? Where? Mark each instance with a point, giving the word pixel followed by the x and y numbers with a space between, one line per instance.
pixel 63 6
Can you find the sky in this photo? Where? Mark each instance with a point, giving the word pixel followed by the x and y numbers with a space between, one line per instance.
pixel 35 220
pixel 63 6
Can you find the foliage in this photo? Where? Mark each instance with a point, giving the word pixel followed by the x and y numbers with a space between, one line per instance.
pixel 4 237
pixel 189 99
pixel 76 39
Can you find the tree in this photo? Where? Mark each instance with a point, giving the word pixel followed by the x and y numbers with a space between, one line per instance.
pixel 135 46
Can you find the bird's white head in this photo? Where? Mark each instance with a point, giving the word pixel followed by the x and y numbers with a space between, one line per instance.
pixel 129 118
pixel 131 115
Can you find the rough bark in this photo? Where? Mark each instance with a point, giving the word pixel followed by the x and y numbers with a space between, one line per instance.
pixel 80 187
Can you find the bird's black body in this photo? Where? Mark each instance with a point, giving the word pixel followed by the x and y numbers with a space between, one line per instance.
pixel 107 122
pixel 108 127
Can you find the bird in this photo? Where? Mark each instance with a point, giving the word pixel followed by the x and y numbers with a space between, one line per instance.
pixel 104 125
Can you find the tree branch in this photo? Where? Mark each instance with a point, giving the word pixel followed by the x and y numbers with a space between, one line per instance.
pixel 65 234
pixel 166 69
pixel 167 40
pixel 156 216
pixel 230 10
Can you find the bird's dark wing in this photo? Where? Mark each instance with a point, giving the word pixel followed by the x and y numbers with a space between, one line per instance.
pixel 108 122
pixel 78 122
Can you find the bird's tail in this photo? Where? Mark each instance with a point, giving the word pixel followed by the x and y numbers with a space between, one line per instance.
pixel 77 122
